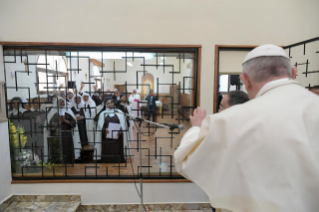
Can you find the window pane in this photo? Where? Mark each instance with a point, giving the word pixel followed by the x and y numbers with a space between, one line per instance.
pixel 223 83
pixel 43 79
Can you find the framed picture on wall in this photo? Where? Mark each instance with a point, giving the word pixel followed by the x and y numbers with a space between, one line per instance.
pixel 3 116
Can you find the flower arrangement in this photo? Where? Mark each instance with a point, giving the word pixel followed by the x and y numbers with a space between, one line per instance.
pixel 15 135
pixel 19 156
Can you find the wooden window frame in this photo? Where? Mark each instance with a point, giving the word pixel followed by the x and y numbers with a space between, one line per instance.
pixel 218 48
pixel 152 47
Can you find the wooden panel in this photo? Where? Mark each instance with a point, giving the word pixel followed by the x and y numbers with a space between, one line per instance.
pixel 97 63
pixel 74 171
pixel 120 88
pixel 98 181
pixel 96 44
pixel 198 75
pixel 185 101
pixel 215 79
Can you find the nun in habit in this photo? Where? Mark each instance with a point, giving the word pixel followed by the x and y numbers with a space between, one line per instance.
pixel 113 149
pixel 62 132
pixel 69 97
pixel 128 110
pixel 38 118
pixel 77 107
pixel 90 112
pixel 17 108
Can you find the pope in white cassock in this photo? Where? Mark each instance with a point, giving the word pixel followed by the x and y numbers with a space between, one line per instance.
pixel 261 156
pixel 134 100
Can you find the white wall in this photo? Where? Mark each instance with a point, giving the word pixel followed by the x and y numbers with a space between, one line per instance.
pixel 5 167
pixel 23 79
pixel 166 77
pixel 206 23
pixel 130 76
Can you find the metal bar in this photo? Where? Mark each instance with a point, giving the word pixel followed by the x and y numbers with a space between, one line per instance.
pixel 306 66
pixel 311 72
pixel 304 49
pixel 302 42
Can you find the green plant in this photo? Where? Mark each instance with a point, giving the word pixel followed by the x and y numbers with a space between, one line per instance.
pixel 49 165
pixel 18 140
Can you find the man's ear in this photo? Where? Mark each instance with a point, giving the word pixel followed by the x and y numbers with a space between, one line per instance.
pixel 246 81
pixel 294 71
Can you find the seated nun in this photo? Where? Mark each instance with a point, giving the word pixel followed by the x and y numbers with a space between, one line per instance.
pixel 77 107
pixel 35 111
pixel 18 115
pixel 17 108
pixel 89 111
pixel 63 96
pixel 69 97
pixel 38 118
pixel 60 140
pixel 36 105
pixel 112 146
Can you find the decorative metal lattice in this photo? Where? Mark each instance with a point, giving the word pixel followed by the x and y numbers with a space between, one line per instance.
pixel 45 143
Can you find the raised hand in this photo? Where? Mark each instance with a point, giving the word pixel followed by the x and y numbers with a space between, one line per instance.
pixel 198 117
pixel 82 85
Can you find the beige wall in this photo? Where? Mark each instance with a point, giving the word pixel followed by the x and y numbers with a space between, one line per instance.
pixel 203 22
pixel 206 22
pixel 5 167
pixel 230 61
pixel 297 54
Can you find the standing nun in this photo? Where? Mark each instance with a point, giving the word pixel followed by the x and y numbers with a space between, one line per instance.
pixel 77 106
pixel 60 122
pixel 90 112
pixel 113 150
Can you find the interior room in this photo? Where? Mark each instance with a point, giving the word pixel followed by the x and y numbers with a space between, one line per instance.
pixel 47 72
pixel 128 64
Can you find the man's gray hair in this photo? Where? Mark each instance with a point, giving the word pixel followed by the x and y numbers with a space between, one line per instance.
pixel 264 68
pixel 237 97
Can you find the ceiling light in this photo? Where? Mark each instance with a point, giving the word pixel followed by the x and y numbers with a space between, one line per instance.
pixel 129 64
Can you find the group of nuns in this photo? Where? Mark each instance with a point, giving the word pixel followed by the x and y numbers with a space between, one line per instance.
pixel 72 122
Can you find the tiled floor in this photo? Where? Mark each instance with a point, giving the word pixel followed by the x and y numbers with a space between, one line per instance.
pixel 44 206
pixel 72 203
pixel 178 207
pixel 39 203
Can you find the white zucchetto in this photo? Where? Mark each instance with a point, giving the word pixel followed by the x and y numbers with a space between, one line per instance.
pixel 267 50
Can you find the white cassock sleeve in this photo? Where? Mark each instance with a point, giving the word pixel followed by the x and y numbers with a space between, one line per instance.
pixel 188 142
pixel 257 156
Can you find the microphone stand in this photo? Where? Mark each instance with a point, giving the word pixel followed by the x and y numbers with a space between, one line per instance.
pixel 140 121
